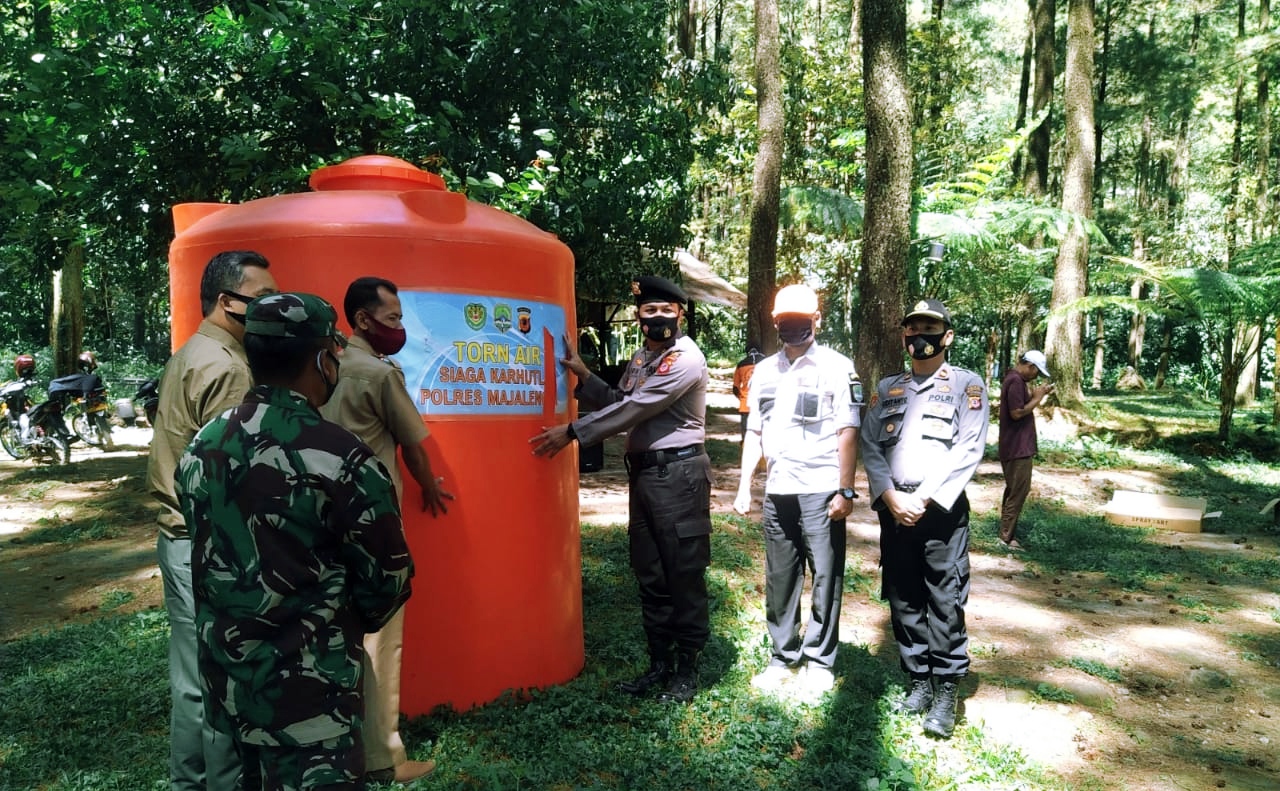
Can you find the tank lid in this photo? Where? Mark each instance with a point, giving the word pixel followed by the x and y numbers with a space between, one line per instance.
pixel 374 172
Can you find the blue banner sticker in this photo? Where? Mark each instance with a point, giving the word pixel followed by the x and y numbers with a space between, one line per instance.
pixel 479 355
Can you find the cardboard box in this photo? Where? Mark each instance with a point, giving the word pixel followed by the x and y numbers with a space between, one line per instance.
pixel 1166 511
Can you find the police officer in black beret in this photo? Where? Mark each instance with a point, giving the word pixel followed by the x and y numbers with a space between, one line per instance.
pixel 922 439
pixel 661 404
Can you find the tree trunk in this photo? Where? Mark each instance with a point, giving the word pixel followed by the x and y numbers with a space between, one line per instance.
pixel 1102 96
pixel 686 28
pixel 1099 349
pixel 1024 83
pixel 1247 340
pixel 1275 386
pixel 886 231
pixel 762 246
pixel 1182 149
pixel 1237 147
pixel 66 324
pixel 1036 179
pixel 1026 317
pixel 1166 350
pixel 1227 388
pixel 937 92
pixel 1262 219
pixel 855 27
pixel 1071 273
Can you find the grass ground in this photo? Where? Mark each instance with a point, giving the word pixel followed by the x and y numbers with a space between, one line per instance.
pixel 1104 657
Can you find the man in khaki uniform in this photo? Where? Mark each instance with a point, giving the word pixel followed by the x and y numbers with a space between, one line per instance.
pixel 373 403
pixel 206 377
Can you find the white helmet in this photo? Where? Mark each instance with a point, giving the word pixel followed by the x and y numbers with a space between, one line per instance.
pixel 797 299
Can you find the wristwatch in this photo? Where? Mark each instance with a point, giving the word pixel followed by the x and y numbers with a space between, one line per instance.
pixel 848 493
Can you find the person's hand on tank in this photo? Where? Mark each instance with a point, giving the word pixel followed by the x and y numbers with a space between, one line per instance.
pixel 552 440
pixel 433 499
pixel 573 362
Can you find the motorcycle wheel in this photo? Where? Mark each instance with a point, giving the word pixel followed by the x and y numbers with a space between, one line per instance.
pixel 54 448
pixel 83 426
pixel 71 416
pixel 12 445
pixel 104 430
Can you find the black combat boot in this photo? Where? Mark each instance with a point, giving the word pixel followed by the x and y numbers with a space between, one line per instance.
pixel 941 720
pixel 656 677
pixel 919 696
pixel 684 684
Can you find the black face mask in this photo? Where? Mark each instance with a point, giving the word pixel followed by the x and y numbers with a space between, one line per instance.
pixel 659 328
pixel 329 387
pixel 237 317
pixel 924 347
pixel 795 332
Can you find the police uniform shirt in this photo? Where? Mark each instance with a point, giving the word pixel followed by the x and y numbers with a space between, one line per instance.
pixel 205 378
pixel 373 403
pixel 661 400
pixel 929 434
pixel 799 408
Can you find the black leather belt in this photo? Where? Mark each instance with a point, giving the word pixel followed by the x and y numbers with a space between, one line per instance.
pixel 656 458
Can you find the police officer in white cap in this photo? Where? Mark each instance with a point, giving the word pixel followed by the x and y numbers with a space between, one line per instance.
pixel 922 439
pixel 661 403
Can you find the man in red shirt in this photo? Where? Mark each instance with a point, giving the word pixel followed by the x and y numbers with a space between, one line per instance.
pixel 1018 401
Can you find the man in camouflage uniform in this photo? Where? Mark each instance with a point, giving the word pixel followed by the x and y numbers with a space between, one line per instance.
pixel 297 553
pixel 661 403
pixel 922 440
pixel 206 377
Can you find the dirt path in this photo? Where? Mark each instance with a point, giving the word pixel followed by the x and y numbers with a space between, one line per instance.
pixel 1195 707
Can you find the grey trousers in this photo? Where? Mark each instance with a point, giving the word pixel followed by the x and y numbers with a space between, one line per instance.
pixel 199 758
pixel 798 534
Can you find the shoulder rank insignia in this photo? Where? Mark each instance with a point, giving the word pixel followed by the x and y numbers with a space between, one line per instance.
pixel 667 362
pixel 974 393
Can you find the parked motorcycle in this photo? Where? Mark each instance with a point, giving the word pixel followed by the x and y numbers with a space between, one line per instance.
pixel 148 397
pixel 85 404
pixel 32 430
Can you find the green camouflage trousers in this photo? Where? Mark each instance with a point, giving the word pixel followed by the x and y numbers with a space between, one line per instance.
pixel 331 765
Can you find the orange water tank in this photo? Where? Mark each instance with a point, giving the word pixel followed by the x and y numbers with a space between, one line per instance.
pixel 487 297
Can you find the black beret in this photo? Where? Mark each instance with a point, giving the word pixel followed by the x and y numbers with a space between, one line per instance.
pixel 648 288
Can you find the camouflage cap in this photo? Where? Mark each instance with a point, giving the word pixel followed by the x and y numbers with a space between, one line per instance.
pixel 293 315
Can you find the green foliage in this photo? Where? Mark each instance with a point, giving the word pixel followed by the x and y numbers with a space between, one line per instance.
pixel 1097 669
pixel 1052 694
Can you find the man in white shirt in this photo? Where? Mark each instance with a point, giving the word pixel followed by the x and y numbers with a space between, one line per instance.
pixel 803 421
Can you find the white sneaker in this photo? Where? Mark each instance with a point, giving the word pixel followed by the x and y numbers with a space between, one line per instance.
pixel 814 683
pixel 774 678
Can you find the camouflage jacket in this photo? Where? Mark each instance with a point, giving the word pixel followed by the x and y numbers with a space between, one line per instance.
pixel 297 551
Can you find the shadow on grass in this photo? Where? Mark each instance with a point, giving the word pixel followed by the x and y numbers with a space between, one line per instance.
pixel 86 707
